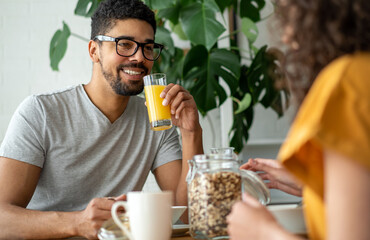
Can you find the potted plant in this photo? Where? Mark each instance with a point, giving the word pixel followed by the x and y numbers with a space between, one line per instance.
pixel 202 67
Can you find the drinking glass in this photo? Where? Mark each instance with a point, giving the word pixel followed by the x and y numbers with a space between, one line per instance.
pixel 159 115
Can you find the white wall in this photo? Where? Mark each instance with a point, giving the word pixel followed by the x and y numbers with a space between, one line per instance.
pixel 26 28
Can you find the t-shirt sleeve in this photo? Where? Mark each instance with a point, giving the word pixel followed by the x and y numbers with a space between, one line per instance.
pixel 344 126
pixel 23 140
pixel 335 115
pixel 170 149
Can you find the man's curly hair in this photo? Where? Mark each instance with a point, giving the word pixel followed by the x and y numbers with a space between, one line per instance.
pixel 320 31
pixel 109 11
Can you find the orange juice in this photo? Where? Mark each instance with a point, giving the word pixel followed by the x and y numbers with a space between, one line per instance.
pixel 159 115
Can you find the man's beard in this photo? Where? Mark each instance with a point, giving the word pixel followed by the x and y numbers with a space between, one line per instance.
pixel 121 88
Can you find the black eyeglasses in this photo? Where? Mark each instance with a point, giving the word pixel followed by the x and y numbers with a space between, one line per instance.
pixel 126 47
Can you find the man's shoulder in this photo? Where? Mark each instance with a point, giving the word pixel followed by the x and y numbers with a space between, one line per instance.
pixel 59 92
pixel 49 100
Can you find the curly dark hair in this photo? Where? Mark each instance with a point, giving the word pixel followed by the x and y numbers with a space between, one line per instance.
pixel 319 31
pixel 111 10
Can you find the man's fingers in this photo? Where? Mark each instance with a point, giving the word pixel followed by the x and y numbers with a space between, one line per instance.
pixel 122 197
pixel 165 90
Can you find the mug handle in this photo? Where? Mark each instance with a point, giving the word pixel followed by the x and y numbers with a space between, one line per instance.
pixel 115 206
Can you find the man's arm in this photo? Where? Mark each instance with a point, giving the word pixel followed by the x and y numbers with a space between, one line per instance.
pixel 18 181
pixel 184 112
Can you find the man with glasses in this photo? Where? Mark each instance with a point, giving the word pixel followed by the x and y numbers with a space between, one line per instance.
pixel 68 155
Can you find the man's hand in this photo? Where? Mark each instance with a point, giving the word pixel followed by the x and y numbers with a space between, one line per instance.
pixel 278 176
pixel 184 110
pixel 90 220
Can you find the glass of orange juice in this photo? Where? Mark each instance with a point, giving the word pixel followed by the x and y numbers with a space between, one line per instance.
pixel 159 115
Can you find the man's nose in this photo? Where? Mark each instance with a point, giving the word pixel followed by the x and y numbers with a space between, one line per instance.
pixel 138 56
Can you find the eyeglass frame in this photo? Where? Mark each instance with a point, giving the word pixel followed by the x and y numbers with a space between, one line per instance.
pixel 104 38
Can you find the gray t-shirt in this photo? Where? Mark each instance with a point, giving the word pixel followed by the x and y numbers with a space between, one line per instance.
pixel 82 154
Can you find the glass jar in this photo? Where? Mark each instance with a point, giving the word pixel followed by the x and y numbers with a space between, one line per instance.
pixel 215 183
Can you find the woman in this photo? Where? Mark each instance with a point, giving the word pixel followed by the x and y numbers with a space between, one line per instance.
pixel 328 146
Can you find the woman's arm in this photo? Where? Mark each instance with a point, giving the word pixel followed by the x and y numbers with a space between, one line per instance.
pixel 278 176
pixel 347 198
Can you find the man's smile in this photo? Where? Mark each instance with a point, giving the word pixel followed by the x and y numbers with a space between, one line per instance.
pixel 132 72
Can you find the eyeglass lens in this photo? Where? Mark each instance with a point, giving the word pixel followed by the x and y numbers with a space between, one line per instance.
pixel 126 47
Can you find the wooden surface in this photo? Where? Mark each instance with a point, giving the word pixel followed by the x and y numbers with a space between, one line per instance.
pixel 187 237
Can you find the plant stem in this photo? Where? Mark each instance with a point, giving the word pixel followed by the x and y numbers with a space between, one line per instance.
pixel 228 35
pixel 80 37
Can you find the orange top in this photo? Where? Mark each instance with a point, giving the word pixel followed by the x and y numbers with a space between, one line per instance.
pixel 335 115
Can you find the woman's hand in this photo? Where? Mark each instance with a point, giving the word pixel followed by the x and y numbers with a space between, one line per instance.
pixel 278 176
pixel 251 220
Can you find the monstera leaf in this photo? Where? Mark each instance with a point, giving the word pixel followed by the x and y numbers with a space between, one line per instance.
pixel 86 8
pixel 203 70
pixel 163 36
pixel 159 4
pixel 251 9
pixel 199 23
pixel 223 4
pixel 58 46
pixel 250 30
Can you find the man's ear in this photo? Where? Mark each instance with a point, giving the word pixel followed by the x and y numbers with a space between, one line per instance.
pixel 94 51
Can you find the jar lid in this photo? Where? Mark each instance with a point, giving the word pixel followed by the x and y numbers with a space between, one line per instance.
pixel 254 185
pixel 110 230
pixel 213 157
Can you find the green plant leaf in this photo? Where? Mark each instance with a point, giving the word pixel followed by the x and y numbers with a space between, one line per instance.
pixel 86 8
pixel 171 65
pixel 250 30
pixel 225 64
pixel 171 13
pixel 163 36
pixel 159 4
pixel 240 130
pixel 205 88
pixel 255 75
pixel 177 29
pixel 251 9
pixel 203 70
pixel 58 46
pixel 199 23
pixel 243 104
pixel 223 4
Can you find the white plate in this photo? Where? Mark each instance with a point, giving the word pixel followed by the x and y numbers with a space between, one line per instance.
pixel 290 216
pixel 177 211
pixel 179 229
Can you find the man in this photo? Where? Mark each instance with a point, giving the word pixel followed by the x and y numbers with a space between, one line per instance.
pixel 66 153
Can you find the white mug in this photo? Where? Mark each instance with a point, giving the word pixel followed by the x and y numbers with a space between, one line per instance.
pixel 149 213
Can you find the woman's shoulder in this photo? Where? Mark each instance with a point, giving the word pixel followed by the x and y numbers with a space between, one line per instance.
pixel 352 64
pixel 348 73
pixel 350 60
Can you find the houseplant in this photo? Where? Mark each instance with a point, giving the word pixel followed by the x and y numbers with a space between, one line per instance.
pixel 203 66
